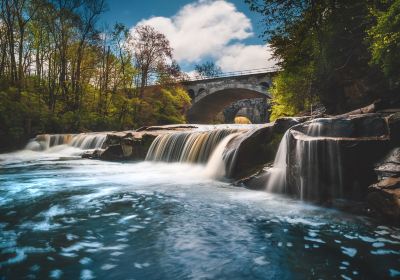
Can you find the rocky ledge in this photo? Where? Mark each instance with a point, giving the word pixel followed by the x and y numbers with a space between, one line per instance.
pixel 329 158
pixel 384 196
pixel 132 145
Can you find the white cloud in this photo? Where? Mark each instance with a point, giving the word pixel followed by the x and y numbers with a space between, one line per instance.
pixel 242 57
pixel 213 29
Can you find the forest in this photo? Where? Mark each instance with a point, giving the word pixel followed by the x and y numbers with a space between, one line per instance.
pixel 337 54
pixel 61 71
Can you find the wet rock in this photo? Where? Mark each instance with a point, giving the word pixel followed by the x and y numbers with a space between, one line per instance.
pixel 92 154
pixel 354 126
pixel 255 181
pixel 333 158
pixel 252 151
pixel 113 152
pixel 248 153
pixel 390 165
pixel 394 126
pixel 133 145
pixel 127 147
pixel 384 198
pixel 283 124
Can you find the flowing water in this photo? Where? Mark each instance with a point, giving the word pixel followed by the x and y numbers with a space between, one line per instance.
pixel 186 146
pixel 316 163
pixel 85 141
pixel 63 217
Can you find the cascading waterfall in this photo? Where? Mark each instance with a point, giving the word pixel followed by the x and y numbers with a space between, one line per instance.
pixel 308 164
pixel 195 147
pixel 277 177
pixel 318 164
pixel 217 167
pixel 84 141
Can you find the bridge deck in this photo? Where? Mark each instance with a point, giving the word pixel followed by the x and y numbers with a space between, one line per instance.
pixel 233 74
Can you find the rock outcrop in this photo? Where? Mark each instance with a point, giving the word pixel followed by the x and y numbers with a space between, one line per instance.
pixel 384 196
pixel 333 158
pixel 249 153
pixel 133 145
pixel 326 158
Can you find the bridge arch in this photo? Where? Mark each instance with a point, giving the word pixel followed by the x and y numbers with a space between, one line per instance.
pixel 191 93
pixel 210 102
pixel 211 95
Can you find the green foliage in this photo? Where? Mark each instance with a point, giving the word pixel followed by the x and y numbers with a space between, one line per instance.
pixel 23 118
pixel 291 93
pixel 167 105
pixel 208 69
pixel 385 41
pixel 20 118
pixel 323 51
pixel 61 73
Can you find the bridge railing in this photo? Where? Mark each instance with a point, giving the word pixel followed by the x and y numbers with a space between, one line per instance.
pixel 153 78
pixel 236 73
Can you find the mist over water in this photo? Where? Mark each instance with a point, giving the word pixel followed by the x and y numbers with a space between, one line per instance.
pixel 63 217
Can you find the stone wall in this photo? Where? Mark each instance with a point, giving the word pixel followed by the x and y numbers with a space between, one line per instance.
pixel 256 110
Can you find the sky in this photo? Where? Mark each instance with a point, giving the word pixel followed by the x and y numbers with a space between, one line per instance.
pixel 223 31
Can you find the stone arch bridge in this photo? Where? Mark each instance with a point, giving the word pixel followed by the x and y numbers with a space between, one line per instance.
pixel 211 95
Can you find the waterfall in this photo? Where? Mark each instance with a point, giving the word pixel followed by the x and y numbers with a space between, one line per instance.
pixel 83 141
pixel 204 147
pixel 318 164
pixel 308 163
pixel 217 166
pixel 194 147
pixel 277 176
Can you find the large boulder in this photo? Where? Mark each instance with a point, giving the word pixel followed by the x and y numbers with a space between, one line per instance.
pixel 331 158
pixel 112 152
pixel 389 166
pixel 250 152
pixel 384 198
pixel 127 147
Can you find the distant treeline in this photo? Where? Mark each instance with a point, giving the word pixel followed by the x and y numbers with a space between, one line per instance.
pixel 341 53
pixel 61 71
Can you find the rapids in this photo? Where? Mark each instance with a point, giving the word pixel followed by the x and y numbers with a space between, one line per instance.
pixel 63 217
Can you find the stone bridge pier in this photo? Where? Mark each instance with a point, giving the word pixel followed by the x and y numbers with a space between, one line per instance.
pixel 212 96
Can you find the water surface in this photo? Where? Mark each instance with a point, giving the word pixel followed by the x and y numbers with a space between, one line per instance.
pixel 63 217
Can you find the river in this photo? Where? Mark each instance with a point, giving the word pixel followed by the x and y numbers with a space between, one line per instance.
pixel 63 217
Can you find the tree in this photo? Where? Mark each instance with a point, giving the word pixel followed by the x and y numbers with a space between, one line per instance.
pixel 150 50
pixel 327 38
pixel 90 11
pixel 385 42
pixel 59 72
pixel 207 69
